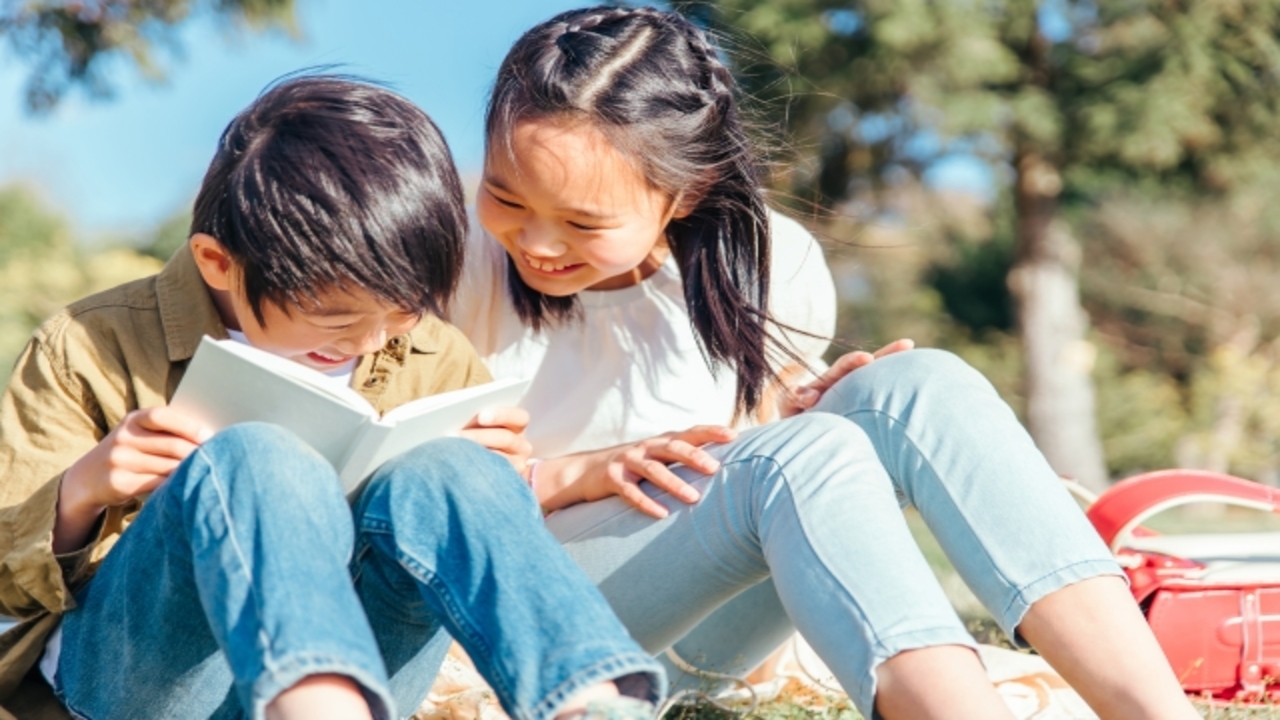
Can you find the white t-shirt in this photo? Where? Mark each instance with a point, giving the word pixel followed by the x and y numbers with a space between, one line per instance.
pixel 631 367
pixel 53 646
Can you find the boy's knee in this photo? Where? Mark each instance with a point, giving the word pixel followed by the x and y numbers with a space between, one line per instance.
pixel 255 440
pixel 263 461
pixel 447 467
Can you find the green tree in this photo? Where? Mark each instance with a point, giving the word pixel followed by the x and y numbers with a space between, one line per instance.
pixel 1071 98
pixel 74 43
pixel 42 268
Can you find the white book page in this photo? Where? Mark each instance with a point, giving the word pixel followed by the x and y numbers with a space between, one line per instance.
pixel 229 382
pixel 435 416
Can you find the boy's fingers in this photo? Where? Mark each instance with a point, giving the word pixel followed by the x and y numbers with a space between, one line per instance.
pixel 164 445
pixel 512 418
pixel 167 420
pixel 498 439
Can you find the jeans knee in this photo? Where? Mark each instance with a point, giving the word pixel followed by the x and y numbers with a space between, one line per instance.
pixel 819 438
pixel 447 470
pixel 264 465
pixel 907 374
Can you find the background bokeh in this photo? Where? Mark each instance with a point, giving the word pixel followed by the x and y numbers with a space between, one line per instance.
pixel 1078 197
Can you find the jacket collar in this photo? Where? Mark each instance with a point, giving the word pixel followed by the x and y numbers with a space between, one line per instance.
pixel 187 312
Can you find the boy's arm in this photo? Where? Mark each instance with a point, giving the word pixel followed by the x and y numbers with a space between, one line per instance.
pixel 47 422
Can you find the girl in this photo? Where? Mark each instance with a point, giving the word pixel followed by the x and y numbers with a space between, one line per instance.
pixel 628 263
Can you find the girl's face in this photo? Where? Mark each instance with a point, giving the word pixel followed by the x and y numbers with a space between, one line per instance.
pixel 572 211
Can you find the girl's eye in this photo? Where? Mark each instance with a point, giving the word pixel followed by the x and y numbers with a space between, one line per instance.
pixel 580 226
pixel 507 203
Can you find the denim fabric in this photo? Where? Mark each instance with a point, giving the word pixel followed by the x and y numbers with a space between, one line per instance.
pixel 247 571
pixel 802 524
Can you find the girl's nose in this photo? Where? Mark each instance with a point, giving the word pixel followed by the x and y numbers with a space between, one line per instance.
pixel 540 241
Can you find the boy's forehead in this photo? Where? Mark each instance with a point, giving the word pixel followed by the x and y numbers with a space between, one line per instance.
pixel 325 302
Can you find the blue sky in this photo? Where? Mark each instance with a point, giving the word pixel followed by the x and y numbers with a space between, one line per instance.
pixel 123 165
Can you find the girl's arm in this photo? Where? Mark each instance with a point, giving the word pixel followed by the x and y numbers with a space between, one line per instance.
pixel 582 477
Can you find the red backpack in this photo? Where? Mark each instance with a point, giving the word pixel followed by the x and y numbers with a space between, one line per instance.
pixel 1213 600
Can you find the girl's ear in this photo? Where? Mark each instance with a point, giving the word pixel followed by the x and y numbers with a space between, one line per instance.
pixel 215 263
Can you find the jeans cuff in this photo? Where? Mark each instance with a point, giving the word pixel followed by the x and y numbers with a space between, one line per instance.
pixel 864 696
pixel 280 676
pixel 613 669
pixel 1033 592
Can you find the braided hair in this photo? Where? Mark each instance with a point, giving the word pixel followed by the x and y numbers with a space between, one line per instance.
pixel 653 83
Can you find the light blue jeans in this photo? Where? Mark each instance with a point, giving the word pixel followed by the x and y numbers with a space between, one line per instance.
pixel 802 528
pixel 247 571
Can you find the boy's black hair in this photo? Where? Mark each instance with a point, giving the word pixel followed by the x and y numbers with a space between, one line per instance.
pixel 331 182
pixel 653 84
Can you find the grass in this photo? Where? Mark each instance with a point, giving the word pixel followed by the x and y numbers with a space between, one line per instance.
pixel 805 705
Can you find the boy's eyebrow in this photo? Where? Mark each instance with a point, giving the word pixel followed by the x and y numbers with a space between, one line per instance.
pixel 582 212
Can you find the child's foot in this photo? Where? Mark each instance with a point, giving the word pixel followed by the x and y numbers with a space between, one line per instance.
pixel 618 708
pixel 604 702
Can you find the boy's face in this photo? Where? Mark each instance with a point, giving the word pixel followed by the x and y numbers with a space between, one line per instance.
pixel 339 326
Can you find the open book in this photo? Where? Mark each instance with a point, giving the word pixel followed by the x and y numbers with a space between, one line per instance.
pixel 229 382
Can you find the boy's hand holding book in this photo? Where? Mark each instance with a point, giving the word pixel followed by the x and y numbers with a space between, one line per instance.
pixel 131 460
pixel 501 429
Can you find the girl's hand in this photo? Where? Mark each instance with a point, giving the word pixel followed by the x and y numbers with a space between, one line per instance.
pixel 619 470
pixel 801 398
pixel 502 431
pixel 131 460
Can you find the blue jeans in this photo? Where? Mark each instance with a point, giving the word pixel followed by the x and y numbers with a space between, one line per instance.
pixel 247 571
pixel 801 528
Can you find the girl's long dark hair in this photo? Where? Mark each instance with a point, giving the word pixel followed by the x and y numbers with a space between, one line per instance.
pixel 653 84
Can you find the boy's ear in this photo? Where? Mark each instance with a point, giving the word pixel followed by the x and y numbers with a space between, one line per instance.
pixel 215 263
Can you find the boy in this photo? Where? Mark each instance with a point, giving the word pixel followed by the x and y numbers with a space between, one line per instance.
pixel 162 573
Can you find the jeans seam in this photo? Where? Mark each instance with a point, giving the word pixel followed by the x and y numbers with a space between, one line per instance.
pixel 263 637
pixel 968 523
pixel 429 580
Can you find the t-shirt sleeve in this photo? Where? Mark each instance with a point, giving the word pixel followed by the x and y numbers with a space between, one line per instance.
pixel 802 295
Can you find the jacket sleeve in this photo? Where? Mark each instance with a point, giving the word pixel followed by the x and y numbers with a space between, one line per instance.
pixel 47 422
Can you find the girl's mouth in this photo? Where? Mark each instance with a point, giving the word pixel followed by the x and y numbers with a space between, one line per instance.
pixel 550 267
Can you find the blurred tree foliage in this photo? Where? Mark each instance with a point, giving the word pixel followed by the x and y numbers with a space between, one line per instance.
pixel 70 43
pixel 42 268
pixel 1099 121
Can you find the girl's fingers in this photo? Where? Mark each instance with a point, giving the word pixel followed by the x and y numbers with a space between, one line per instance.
pixel 657 472
pixel 512 418
pixel 704 434
pixel 896 346
pixel 679 451
pixel 635 497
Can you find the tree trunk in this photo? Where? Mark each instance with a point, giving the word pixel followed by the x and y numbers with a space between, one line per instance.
pixel 1058 359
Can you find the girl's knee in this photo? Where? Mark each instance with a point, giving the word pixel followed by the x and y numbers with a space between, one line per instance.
pixel 902 374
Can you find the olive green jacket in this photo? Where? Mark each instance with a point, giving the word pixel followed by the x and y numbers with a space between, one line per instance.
pixel 82 372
